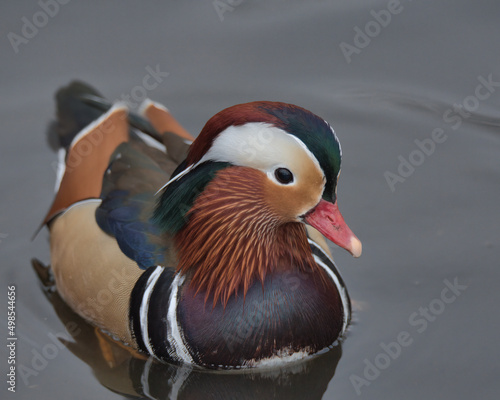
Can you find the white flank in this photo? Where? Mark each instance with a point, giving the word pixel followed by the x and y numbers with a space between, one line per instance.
pixel 143 310
pixel 174 334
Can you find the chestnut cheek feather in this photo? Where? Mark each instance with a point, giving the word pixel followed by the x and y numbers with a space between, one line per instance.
pixel 227 217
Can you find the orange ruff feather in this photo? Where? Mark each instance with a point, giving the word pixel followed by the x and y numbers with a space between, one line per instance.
pixel 233 237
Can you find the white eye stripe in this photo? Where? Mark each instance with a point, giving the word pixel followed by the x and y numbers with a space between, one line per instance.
pixel 261 146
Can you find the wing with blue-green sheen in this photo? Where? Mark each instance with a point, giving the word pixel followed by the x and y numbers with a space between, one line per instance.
pixel 135 173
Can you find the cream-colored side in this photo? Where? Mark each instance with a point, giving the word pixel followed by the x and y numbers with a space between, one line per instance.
pixel 92 274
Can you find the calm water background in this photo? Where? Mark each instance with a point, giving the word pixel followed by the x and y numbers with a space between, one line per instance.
pixel 439 223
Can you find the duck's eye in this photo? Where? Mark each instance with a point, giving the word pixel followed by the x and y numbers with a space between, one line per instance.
pixel 283 175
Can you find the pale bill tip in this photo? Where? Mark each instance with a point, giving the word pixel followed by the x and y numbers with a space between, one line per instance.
pixel 356 247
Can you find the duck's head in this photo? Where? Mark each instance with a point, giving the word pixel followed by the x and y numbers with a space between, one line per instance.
pixel 278 161
pixel 295 154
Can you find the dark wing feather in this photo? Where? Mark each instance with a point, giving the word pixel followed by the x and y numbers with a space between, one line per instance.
pixel 72 114
pixel 134 175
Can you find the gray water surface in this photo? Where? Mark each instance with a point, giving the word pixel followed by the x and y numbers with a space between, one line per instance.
pixel 418 90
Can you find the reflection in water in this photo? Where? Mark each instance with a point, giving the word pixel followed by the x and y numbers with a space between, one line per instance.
pixel 124 371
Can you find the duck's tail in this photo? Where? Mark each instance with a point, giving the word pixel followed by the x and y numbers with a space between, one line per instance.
pixel 79 104
pixel 85 139
pixel 73 114
pixel 87 131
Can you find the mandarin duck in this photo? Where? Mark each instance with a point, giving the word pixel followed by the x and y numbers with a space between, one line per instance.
pixel 206 251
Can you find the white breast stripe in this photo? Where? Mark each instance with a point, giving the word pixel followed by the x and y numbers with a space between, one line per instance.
pixel 174 334
pixel 341 288
pixel 342 292
pixel 143 310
